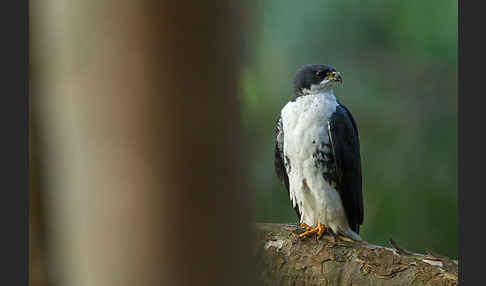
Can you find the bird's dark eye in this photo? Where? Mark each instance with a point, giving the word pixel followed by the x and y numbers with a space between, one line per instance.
pixel 319 73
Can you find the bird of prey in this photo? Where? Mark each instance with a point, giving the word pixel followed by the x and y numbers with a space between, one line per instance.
pixel 317 155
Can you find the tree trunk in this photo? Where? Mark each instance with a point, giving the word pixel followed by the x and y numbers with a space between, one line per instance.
pixel 286 260
pixel 139 133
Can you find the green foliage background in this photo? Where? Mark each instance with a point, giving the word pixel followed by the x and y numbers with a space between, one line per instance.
pixel 399 64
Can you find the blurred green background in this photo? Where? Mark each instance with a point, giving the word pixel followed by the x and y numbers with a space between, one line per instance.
pixel 399 64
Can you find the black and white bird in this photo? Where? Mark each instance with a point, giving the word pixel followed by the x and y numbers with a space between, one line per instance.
pixel 317 155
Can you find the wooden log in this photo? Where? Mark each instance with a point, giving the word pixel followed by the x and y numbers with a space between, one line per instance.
pixel 284 259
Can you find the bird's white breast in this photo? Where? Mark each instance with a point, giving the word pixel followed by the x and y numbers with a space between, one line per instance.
pixel 305 126
pixel 306 117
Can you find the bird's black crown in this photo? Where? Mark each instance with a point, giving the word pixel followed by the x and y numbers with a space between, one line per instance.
pixel 310 74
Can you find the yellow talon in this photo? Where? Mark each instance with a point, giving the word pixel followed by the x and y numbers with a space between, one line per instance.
pixel 309 232
pixel 306 226
pixel 320 229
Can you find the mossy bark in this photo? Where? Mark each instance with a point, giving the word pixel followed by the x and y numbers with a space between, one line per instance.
pixel 285 260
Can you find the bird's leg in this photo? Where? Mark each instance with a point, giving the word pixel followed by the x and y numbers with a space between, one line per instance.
pixel 321 229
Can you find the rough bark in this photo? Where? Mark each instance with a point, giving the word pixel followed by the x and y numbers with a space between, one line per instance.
pixel 286 260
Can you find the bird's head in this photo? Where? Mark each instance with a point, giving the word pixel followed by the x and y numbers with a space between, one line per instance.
pixel 315 79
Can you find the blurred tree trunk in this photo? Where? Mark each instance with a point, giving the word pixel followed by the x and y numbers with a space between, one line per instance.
pixel 139 136
pixel 37 243
pixel 285 260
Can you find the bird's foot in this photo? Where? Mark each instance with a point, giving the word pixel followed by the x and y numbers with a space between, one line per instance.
pixel 308 233
pixel 319 230
pixel 306 226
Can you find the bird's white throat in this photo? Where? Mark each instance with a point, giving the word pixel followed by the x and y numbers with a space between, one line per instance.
pixel 323 99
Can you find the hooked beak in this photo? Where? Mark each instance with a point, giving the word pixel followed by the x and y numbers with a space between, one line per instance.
pixel 336 77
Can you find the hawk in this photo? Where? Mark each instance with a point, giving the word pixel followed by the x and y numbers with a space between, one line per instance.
pixel 317 155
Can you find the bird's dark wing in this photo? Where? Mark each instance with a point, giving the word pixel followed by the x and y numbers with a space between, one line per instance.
pixel 279 158
pixel 345 147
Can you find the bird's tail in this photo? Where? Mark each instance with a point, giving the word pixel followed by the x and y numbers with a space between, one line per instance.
pixel 353 235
